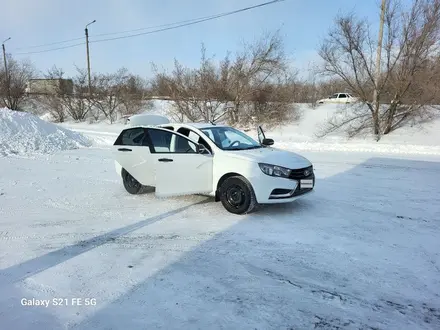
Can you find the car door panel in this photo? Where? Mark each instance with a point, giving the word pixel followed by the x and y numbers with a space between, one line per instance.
pixel 179 169
pixel 133 154
pixel 186 174
pixel 142 166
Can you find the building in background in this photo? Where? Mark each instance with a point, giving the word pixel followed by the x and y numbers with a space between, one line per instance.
pixel 49 86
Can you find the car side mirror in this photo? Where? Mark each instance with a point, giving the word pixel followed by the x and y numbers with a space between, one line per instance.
pixel 201 149
pixel 268 142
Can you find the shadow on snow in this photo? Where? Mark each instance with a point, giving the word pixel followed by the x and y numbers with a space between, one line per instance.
pixel 292 265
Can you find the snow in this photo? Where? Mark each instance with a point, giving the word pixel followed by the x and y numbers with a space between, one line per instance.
pixel 25 134
pixel 362 251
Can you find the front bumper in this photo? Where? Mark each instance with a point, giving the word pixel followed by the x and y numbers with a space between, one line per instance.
pixel 274 190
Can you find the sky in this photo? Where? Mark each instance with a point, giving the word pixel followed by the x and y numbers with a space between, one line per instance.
pixel 302 24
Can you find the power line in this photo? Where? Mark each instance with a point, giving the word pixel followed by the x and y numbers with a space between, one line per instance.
pixel 113 33
pixel 50 44
pixel 158 26
pixel 166 27
pixel 190 22
pixel 50 50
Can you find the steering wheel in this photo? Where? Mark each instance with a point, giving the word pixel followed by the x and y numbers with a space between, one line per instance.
pixel 238 142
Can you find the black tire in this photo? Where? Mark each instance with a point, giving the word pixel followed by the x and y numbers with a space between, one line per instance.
pixel 130 183
pixel 237 195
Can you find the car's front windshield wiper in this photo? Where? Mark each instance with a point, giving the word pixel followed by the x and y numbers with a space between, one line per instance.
pixel 253 147
pixel 248 148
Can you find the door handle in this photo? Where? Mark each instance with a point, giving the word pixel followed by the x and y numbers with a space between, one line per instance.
pixel 124 149
pixel 166 160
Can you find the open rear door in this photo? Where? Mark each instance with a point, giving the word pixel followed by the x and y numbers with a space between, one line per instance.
pixel 132 153
pixel 180 169
pixel 261 135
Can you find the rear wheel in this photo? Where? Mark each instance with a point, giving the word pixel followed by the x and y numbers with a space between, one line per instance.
pixel 130 183
pixel 237 195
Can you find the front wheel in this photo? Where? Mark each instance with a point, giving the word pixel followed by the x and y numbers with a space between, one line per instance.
pixel 237 195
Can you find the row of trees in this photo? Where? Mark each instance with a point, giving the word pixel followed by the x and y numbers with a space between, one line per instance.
pixel 257 84
pixel 254 85
pixel 111 95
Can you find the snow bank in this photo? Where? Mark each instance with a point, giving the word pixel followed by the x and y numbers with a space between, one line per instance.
pixel 313 121
pixel 22 133
pixel 302 135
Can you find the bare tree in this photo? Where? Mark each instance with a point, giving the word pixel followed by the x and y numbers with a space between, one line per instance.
pixel 13 88
pixel 54 105
pixel 175 85
pixel 253 67
pixel 108 91
pixel 256 83
pixel 73 100
pixel 133 95
pixel 52 98
pixel 272 104
pixel 410 42
pixel 197 94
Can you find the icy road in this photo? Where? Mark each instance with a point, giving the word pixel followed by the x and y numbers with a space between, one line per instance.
pixel 362 252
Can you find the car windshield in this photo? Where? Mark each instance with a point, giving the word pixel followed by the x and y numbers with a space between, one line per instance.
pixel 228 138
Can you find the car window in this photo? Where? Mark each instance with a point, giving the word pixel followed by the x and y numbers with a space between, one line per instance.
pixel 209 134
pixel 132 137
pixel 195 137
pixel 169 142
pixel 231 137
pixel 228 138
pixel 341 96
pixel 334 96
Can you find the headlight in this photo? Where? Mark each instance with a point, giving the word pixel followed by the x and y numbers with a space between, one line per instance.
pixel 274 170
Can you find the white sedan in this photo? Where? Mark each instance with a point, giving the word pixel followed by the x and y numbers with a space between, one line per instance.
pixel 339 98
pixel 216 160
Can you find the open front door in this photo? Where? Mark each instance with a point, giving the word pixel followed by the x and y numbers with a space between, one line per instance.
pixel 180 169
pixel 261 135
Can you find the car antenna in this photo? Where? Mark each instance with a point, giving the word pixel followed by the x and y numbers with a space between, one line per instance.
pixel 211 122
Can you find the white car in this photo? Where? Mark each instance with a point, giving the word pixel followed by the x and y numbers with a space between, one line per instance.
pixel 209 159
pixel 339 98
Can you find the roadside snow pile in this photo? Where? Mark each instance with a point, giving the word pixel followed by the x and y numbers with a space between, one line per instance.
pixel 303 135
pixel 22 133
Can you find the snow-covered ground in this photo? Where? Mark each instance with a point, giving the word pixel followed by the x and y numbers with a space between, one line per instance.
pixel 362 252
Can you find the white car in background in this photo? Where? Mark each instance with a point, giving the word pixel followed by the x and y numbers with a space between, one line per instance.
pixel 215 160
pixel 339 98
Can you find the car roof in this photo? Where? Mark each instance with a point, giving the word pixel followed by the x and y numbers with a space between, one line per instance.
pixel 189 125
pixel 195 125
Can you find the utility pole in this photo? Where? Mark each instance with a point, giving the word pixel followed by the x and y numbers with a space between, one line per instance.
pixel 8 80
pixel 377 74
pixel 88 57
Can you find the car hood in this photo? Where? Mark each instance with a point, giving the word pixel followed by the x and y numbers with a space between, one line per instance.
pixel 272 156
